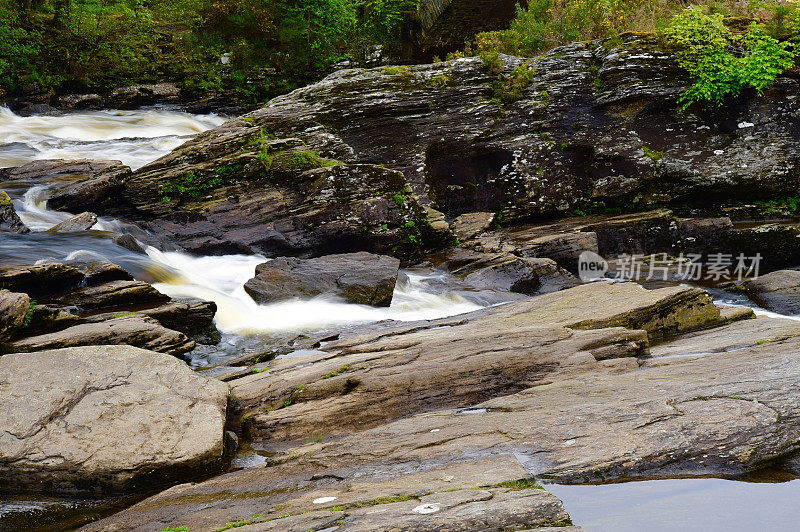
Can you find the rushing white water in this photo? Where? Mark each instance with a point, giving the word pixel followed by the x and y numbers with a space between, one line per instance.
pixel 221 279
pixel 133 137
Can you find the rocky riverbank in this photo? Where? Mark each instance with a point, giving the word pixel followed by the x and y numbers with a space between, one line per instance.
pixel 445 423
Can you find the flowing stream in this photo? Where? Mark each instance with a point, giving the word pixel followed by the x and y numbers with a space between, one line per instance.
pixel 138 137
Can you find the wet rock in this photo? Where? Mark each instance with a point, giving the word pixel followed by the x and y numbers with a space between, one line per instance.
pixel 76 224
pixel 96 188
pixel 361 278
pixel 193 318
pixel 41 280
pixel 472 224
pixel 13 309
pixel 137 96
pixel 299 205
pixel 466 496
pixel 106 419
pixel 56 171
pixel 9 220
pixel 129 242
pixel 509 273
pixel 37 109
pixel 80 102
pixel 115 294
pixel 127 329
pixel 778 291
pixel 105 272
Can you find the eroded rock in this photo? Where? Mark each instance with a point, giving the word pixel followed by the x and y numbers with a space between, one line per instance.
pixel 42 279
pixel 113 294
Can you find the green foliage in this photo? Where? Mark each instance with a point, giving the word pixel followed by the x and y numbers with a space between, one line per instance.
pixel 337 372
pixel 239 523
pixel 653 154
pixel 101 44
pixel 189 184
pixel 26 321
pixel 175 529
pixel 522 484
pixel 18 47
pixel 723 64
pixel 510 88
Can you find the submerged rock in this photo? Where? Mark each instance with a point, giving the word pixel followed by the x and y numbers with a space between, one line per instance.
pixel 109 419
pixel 78 223
pixel 361 278
pixel 9 220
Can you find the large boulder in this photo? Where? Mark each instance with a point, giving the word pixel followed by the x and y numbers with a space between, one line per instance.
pixel 778 291
pixel 98 189
pixel 9 219
pixel 106 419
pixel 361 278
pixel 13 309
pixel 536 156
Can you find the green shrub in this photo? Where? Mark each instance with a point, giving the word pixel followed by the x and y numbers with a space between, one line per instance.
pixel 721 64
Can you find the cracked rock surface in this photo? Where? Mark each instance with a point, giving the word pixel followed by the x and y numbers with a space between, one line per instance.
pixel 106 419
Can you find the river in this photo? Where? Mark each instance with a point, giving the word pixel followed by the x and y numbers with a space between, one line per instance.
pixel 138 137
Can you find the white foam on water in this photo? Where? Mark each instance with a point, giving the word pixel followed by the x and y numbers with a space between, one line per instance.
pixel 133 137
pixel 222 279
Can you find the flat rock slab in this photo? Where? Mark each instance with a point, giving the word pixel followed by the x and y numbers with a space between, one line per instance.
pixel 361 278
pixel 139 331
pixel 661 312
pixel 106 419
pixel 482 495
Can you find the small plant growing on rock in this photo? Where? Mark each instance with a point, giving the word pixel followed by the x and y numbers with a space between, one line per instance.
pixel 26 321
pixel 653 154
